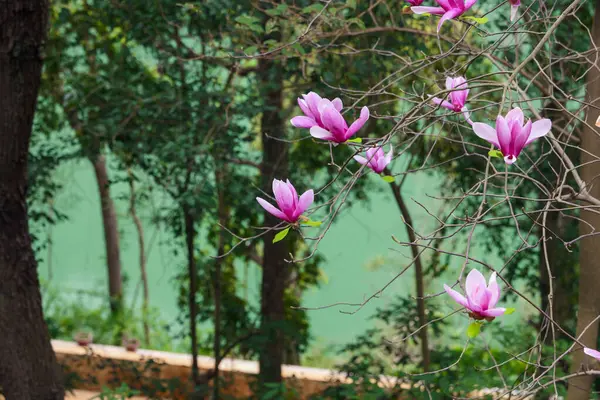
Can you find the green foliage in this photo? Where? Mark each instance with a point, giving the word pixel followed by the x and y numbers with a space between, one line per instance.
pixel 68 313
pixel 281 235
pixel 123 392
pixel 474 329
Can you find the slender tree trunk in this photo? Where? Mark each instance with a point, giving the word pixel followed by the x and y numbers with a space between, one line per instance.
pixel 563 274
pixel 190 235
pixel 419 282
pixel 220 173
pixel 275 268
pixel 142 248
pixel 28 368
pixel 111 235
pixel 589 273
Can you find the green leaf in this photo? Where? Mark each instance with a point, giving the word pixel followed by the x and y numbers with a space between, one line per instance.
pixel 474 330
pixel 423 15
pixel 388 178
pixel 355 140
pixel 251 50
pixel 280 9
pixel 298 47
pixel 480 21
pixel 251 22
pixel 509 311
pixel 271 26
pixel 312 223
pixel 495 153
pixel 247 20
pixel 312 8
pixel 281 235
pixel 270 43
pixel 357 21
pixel 351 4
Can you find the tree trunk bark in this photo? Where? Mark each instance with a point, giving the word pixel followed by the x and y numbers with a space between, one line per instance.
pixel 419 282
pixel 111 235
pixel 190 235
pixel 28 368
pixel 274 268
pixel 220 174
pixel 589 273
pixel 142 247
pixel 563 274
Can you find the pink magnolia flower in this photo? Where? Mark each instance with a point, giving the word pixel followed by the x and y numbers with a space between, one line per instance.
pixel 592 353
pixel 481 298
pixel 514 7
pixel 415 2
pixel 376 159
pixel 333 127
pixel 458 98
pixel 290 205
pixel 510 135
pixel 448 9
pixel 309 105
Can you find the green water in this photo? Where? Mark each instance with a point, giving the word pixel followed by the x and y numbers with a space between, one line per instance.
pixel 358 241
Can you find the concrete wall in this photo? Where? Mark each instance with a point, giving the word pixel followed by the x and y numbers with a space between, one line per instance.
pixel 102 365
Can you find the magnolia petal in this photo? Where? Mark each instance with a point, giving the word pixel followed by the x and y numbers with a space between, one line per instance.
pixel 538 129
pixel 271 209
pixel 373 153
pixel 521 138
pixel 303 122
pixel 293 190
pixel 473 305
pixel 516 114
pixel 448 15
pixel 459 98
pixel 493 312
pixel 430 10
pixel 304 107
pixel 494 291
pixel 443 103
pixel 449 83
pixel 337 104
pixel 592 353
pixel 513 13
pixel 459 298
pixel 304 202
pixel 486 132
pixel 312 101
pixel 504 137
pixel 380 165
pixel 444 3
pixel 467 115
pixel 474 280
pixel 510 159
pixel 333 120
pixel 320 133
pixel 389 155
pixel 361 160
pixel 284 197
pixel 356 125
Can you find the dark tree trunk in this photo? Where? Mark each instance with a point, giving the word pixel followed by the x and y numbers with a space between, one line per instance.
pixel 142 252
pixel 111 235
pixel 275 268
pixel 419 281
pixel 220 173
pixel 190 236
pixel 589 273
pixel 28 368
